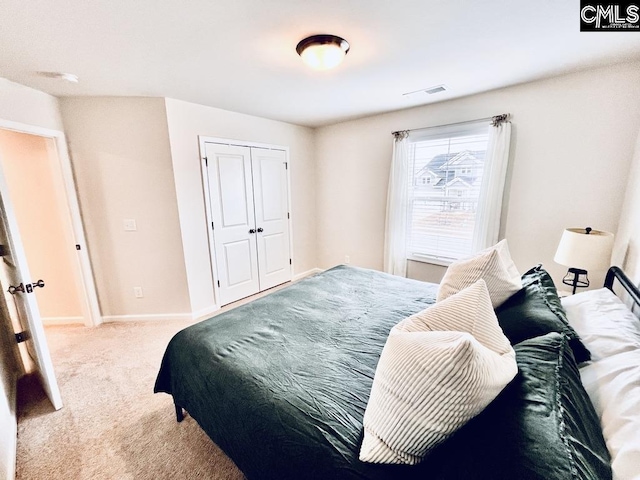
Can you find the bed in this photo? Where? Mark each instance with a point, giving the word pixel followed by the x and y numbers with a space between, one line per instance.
pixel 281 384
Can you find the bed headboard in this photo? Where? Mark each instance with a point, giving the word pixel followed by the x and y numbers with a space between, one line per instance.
pixel 631 292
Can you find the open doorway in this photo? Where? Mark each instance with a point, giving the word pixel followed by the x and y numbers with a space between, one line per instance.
pixel 40 204
pixel 37 194
pixel 18 287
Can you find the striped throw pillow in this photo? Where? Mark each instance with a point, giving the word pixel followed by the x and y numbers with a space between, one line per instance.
pixel 494 265
pixel 439 369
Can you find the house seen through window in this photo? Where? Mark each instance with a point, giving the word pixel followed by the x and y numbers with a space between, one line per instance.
pixel 445 175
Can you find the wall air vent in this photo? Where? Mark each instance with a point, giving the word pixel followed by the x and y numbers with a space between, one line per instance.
pixel 428 91
pixel 436 89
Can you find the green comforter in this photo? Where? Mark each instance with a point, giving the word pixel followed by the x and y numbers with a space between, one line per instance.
pixel 281 384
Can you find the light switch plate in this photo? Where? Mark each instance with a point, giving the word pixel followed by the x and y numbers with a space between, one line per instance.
pixel 130 225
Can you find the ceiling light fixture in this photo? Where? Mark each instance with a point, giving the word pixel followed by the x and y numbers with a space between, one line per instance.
pixel 322 52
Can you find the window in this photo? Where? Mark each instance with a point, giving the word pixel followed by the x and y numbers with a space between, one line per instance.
pixel 442 214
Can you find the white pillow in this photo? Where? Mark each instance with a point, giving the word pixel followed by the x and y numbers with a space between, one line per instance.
pixel 612 380
pixel 439 369
pixel 494 265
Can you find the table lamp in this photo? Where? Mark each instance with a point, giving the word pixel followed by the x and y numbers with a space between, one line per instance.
pixel 583 249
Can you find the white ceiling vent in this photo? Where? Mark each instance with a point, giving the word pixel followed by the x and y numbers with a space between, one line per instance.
pixel 436 89
pixel 428 91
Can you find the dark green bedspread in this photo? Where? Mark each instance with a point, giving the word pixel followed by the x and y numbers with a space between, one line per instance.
pixel 281 384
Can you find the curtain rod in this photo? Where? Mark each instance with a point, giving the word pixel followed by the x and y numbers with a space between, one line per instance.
pixel 503 117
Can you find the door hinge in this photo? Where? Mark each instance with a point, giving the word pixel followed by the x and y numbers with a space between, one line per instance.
pixel 212 228
pixel 218 283
pixel 288 215
pixel 290 262
pixel 22 337
pixel 286 165
pixel 78 247
pixel 206 161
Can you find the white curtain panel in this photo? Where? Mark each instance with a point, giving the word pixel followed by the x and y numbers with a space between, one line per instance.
pixel 487 225
pixel 395 237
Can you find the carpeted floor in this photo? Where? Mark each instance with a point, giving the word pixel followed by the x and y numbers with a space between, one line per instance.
pixel 112 425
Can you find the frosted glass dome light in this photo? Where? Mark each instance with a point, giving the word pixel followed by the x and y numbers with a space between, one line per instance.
pixel 322 52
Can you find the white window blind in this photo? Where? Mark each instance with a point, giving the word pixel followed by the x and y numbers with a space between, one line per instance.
pixel 446 167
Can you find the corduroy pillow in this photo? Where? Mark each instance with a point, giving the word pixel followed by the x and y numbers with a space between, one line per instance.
pixel 438 369
pixel 494 265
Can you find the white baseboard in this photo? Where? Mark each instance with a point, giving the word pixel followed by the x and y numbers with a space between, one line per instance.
pixel 313 271
pixel 62 320
pixel 201 314
pixel 10 449
pixel 159 317
pixel 205 313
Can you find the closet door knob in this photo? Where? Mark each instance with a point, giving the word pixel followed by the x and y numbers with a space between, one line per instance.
pixel 252 230
pixel 260 230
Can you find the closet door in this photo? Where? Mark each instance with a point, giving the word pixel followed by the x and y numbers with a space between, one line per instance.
pixel 272 216
pixel 232 212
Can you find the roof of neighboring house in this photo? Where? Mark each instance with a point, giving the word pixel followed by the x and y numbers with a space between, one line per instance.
pixel 468 181
pixel 464 158
pixel 444 167
pixel 440 164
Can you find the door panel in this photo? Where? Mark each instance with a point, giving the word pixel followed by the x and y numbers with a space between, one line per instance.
pixel 271 195
pixel 238 260
pixel 232 181
pixel 231 205
pixel 272 212
pixel 15 271
pixel 276 259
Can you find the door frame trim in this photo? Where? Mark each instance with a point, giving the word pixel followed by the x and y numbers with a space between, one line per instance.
pixel 83 270
pixel 202 141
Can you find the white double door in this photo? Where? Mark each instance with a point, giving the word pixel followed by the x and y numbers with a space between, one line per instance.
pixel 249 214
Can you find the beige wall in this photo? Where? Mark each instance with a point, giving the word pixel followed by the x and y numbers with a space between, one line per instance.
pixel 573 138
pixel 626 252
pixel 122 162
pixel 50 251
pixel 186 122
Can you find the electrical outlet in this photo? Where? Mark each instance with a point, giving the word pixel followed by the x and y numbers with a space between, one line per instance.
pixel 130 225
pixel 137 291
pixel 347 259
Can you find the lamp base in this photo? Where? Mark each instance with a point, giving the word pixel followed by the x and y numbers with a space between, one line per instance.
pixel 573 278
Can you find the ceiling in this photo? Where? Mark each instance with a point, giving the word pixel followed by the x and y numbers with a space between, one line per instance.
pixel 240 54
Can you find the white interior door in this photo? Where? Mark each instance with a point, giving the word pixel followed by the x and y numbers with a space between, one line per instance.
pixel 234 228
pixel 15 273
pixel 272 216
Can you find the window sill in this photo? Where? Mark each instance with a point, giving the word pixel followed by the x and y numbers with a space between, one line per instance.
pixel 431 260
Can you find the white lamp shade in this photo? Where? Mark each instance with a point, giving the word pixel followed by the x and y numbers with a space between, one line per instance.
pixel 591 251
